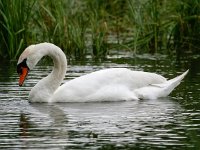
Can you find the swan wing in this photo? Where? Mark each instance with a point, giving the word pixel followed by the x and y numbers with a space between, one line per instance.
pixel 104 85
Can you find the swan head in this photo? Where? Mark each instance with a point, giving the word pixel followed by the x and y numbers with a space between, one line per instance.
pixel 27 61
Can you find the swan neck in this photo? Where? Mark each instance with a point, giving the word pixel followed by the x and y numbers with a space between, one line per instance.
pixel 45 88
pixel 60 66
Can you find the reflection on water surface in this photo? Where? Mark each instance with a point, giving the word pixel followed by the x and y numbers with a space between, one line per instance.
pixel 168 123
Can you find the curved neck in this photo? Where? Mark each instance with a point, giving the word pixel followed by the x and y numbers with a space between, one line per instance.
pixel 45 88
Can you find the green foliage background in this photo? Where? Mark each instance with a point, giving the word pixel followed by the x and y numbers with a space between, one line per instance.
pixel 95 27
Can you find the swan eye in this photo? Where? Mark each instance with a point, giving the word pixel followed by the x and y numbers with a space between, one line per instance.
pixel 19 71
pixel 21 66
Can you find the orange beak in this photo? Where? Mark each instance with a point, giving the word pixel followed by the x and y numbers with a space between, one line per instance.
pixel 23 75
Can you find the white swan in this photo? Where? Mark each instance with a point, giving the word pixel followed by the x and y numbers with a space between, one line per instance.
pixel 105 85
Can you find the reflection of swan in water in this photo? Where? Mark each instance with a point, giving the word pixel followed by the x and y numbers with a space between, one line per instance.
pixel 45 118
pixel 110 120
pixel 113 84
pixel 54 113
pixel 24 125
pixel 109 114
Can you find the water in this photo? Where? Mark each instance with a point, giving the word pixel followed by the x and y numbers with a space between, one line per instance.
pixel 167 123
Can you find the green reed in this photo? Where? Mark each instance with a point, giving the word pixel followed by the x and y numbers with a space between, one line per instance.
pixel 62 25
pixel 14 22
pixel 95 27
pixel 165 26
pixel 98 27
pixel 149 23
pixel 186 30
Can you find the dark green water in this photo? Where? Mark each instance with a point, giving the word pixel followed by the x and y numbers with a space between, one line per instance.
pixel 168 123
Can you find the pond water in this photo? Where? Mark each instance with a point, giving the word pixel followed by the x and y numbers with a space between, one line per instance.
pixel 168 123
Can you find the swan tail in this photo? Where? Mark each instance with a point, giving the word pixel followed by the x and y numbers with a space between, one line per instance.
pixel 159 90
pixel 173 83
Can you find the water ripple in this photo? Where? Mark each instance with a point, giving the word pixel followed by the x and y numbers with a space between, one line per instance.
pixel 169 123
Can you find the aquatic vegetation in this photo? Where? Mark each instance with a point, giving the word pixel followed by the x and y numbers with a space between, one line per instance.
pixel 165 26
pixel 186 29
pixel 95 27
pixel 14 26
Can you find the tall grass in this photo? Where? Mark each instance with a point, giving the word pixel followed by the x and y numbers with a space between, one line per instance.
pixel 14 21
pixel 62 24
pixel 186 31
pixel 95 27
pixel 151 24
pixel 165 26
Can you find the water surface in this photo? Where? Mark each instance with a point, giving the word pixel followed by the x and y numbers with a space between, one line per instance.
pixel 167 123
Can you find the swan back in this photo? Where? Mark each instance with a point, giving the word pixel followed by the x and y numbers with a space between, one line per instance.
pixel 105 85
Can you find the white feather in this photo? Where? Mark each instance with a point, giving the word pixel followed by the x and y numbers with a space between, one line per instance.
pixel 113 84
pixel 159 90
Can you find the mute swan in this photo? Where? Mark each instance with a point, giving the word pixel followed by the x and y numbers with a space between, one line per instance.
pixel 105 85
